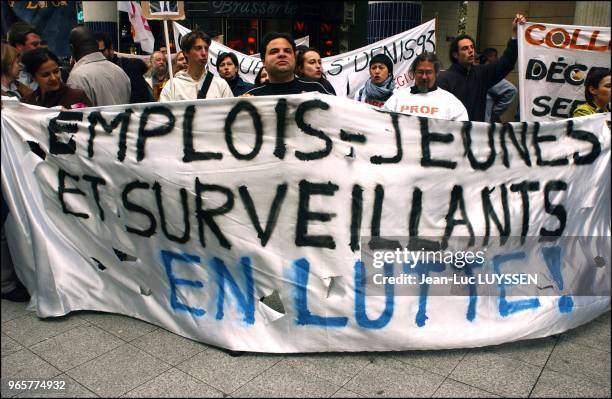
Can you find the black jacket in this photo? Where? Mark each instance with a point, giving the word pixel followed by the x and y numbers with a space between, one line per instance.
pixel 296 86
pixel 328 86
pixel 134 68
pixel 470 86
pixel 239 86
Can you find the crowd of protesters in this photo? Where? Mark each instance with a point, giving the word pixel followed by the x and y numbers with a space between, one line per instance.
pixel 474 83
pixel 473 87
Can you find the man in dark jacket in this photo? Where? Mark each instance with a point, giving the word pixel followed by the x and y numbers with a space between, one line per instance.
pixel 134 68
pixel 469 82
pixel 227 66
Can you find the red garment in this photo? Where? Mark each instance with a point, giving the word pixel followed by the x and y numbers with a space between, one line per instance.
pixel 65 96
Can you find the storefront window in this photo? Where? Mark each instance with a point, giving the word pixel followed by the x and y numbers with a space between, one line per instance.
pixel 211 26
pixel 275 25
pixel 242 35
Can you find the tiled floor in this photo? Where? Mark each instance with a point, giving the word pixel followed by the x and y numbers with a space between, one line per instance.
pixel 109 356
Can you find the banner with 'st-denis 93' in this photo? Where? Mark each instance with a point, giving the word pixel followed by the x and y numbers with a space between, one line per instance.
pixel 554 61
pixel 310 223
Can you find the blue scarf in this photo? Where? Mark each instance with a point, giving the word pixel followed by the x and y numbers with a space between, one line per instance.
pixel 380 92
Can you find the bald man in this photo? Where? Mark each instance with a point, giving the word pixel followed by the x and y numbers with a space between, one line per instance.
pixel 104 82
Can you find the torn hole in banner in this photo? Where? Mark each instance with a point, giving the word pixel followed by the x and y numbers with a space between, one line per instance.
pixel 274 302
pixel 271 307
pixel 123 257
pixel 145 291
pixel 335 286
pixel 64 137
pixel 99 264
pixel 36 149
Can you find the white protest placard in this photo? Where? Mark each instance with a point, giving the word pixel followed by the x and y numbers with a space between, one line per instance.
pixel 191 215
pixel 347 72
pixel 554 61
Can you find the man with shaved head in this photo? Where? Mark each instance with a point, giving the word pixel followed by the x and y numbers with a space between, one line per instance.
pixel 104 82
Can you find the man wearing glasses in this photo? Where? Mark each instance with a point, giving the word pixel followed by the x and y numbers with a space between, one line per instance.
pixel 425 98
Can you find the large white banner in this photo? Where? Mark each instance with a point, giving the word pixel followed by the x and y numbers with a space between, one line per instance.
pixel 268 223
pixel 347 72
pixel 554 61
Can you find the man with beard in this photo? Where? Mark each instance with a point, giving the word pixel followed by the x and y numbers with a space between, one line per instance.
pixel 425 98
pixel 197 81
pixel 469 82
pixel 159 74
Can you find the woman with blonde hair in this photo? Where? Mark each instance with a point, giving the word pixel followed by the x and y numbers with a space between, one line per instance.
pixel 179 63
pixel 11 67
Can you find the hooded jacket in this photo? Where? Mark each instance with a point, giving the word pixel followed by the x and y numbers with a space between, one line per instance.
pixel 184 87
pixel 470 86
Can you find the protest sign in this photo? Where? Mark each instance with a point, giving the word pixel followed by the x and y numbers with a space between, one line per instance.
pixel 191 215
pixel 347 72
pixel 554 61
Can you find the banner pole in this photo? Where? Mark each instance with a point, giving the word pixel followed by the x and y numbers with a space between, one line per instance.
pixel 436 29
pixel 118 30
pixel 168 48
